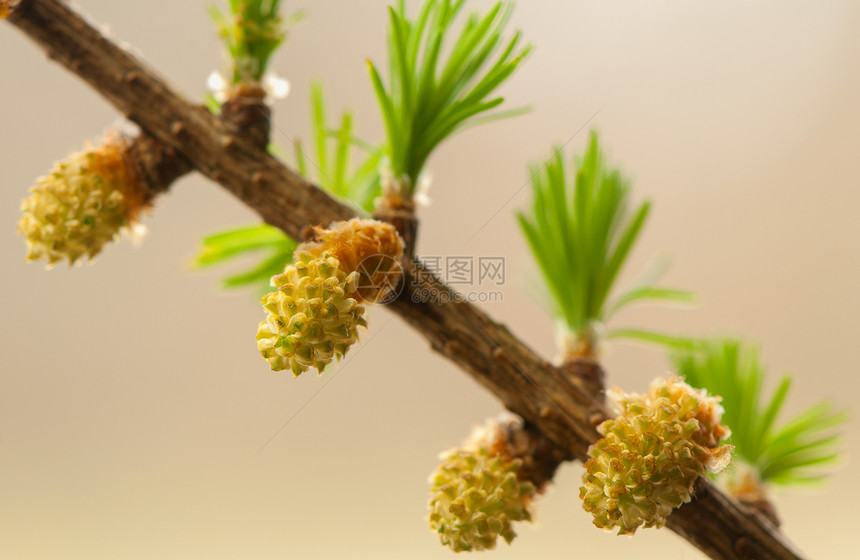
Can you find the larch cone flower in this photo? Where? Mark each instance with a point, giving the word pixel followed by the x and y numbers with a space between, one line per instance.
pixel 651 455
pixel 313 317
pixel 476 492
pixel 370 248
pixel 82 204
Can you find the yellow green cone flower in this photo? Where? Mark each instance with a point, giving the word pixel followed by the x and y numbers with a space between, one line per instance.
pixel 476 494
pixel 313 317
pixel 82 204
pixel 651 455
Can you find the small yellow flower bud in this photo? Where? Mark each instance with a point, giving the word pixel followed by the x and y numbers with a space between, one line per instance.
pixel 476 493
pixel 652 454
pixel 82 204
pixel 313 317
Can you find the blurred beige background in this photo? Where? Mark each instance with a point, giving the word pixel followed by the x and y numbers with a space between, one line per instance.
pixel 132 398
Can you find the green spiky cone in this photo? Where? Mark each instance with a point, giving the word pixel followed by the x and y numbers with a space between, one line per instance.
pixel 82 204
pixel 313 317
pixel 476 493
pixel 651 455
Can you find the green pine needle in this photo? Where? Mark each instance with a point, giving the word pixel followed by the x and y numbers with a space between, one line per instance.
pixel 794 452
pixel 431 95
pixel 581 233
pixel 251 33
pixel 226 245
pixel 331 164
pixel 668 341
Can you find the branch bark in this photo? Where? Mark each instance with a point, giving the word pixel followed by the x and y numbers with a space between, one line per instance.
pixel 563 411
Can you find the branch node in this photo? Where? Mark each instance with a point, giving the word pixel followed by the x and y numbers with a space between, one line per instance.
pixel 742 547
pixel 586 374
pixel 177 128
pixel 228 142
pixel 450 347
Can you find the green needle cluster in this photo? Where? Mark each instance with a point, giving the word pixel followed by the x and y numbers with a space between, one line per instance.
pixel 581 232
pixel 331 159
pixel 251 33
pixel 791 452
pixel 275 246
pixel 430 94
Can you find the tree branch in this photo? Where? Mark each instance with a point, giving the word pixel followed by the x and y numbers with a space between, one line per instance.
pixel 560 407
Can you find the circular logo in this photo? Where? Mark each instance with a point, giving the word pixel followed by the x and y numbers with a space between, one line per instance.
pixel 380 279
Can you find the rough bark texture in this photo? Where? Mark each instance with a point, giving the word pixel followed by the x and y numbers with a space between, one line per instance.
pixel 246 114
pixel 157 165
pixel 765 508
pixel 586 374
pixel 541 457
pixel 404 220
pixel 562 411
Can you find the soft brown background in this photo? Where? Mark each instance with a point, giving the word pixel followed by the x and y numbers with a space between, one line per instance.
pixel 132 398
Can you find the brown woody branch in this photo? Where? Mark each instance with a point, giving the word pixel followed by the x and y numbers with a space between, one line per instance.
pixel 157 165
pixel 561 407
